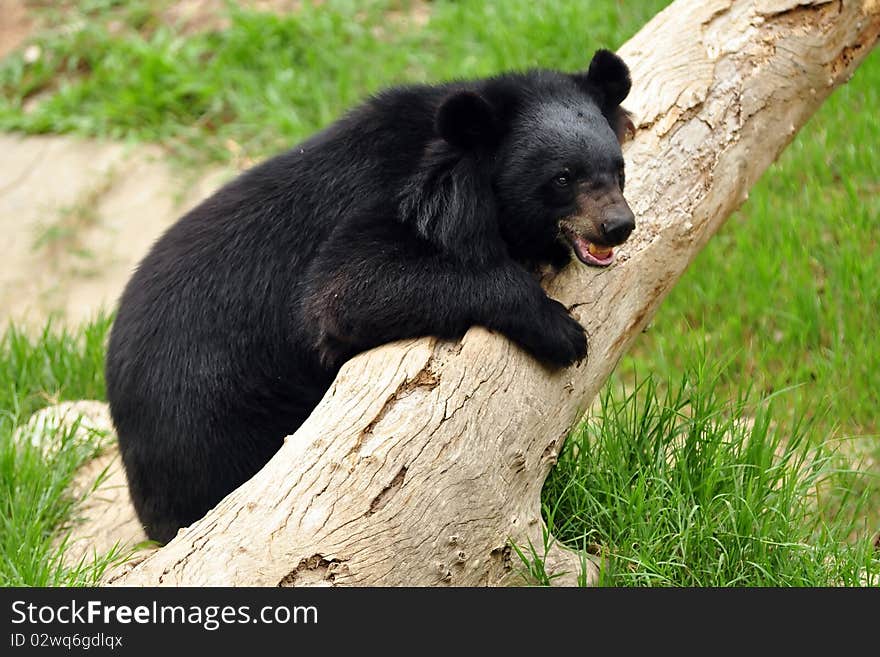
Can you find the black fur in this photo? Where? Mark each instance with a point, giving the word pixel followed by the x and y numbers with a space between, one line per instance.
pixel 418 213
pixel 607 79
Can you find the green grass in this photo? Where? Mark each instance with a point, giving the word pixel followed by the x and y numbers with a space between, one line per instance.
pixel 683 488
pixel 791 284
pixel 34 503
pixel 789 288
pixel 665 484
pixel 269 81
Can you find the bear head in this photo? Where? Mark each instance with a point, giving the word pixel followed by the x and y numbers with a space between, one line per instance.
pixel 535 159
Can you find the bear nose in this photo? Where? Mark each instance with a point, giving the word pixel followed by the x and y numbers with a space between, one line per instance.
pixel 618 224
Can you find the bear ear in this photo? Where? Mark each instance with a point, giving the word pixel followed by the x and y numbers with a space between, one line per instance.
pixel 608 74
pixel 467 120
pixel 623 126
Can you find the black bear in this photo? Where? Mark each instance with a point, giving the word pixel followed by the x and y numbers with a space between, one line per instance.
pixel 423 211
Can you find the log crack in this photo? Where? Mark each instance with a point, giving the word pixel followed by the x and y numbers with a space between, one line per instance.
pixel 382 499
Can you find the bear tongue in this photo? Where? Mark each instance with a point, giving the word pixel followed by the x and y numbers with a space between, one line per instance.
pixel 600 252
pixel 592 254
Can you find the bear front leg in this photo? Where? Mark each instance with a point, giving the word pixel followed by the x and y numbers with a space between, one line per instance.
pixel 546 330
pixel 362 305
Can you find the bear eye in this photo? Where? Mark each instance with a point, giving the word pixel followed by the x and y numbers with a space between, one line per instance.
pixel 563 178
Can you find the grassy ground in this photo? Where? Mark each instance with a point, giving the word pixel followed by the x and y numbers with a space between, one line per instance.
pixel 35 372
pixel 268 81
pixel 694 481
pixel 684 487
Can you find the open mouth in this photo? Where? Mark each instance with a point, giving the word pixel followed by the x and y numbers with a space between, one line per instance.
pixel 588 252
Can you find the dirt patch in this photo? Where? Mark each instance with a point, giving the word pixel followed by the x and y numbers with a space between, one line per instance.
pixel 410 15
pixel 194 16
pixel 16 25
pixel 76 216
pixel 406 16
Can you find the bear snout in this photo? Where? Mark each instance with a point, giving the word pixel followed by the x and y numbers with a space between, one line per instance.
pixel 617 225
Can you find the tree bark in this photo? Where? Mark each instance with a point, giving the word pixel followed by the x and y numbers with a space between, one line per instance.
pixel 425 460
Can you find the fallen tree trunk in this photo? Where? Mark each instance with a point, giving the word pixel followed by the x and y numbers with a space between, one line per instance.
pixel 425 460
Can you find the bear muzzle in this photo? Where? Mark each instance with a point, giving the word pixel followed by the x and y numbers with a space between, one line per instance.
pixel 593 233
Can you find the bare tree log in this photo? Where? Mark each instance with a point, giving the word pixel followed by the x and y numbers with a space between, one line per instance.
pixel 425 459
